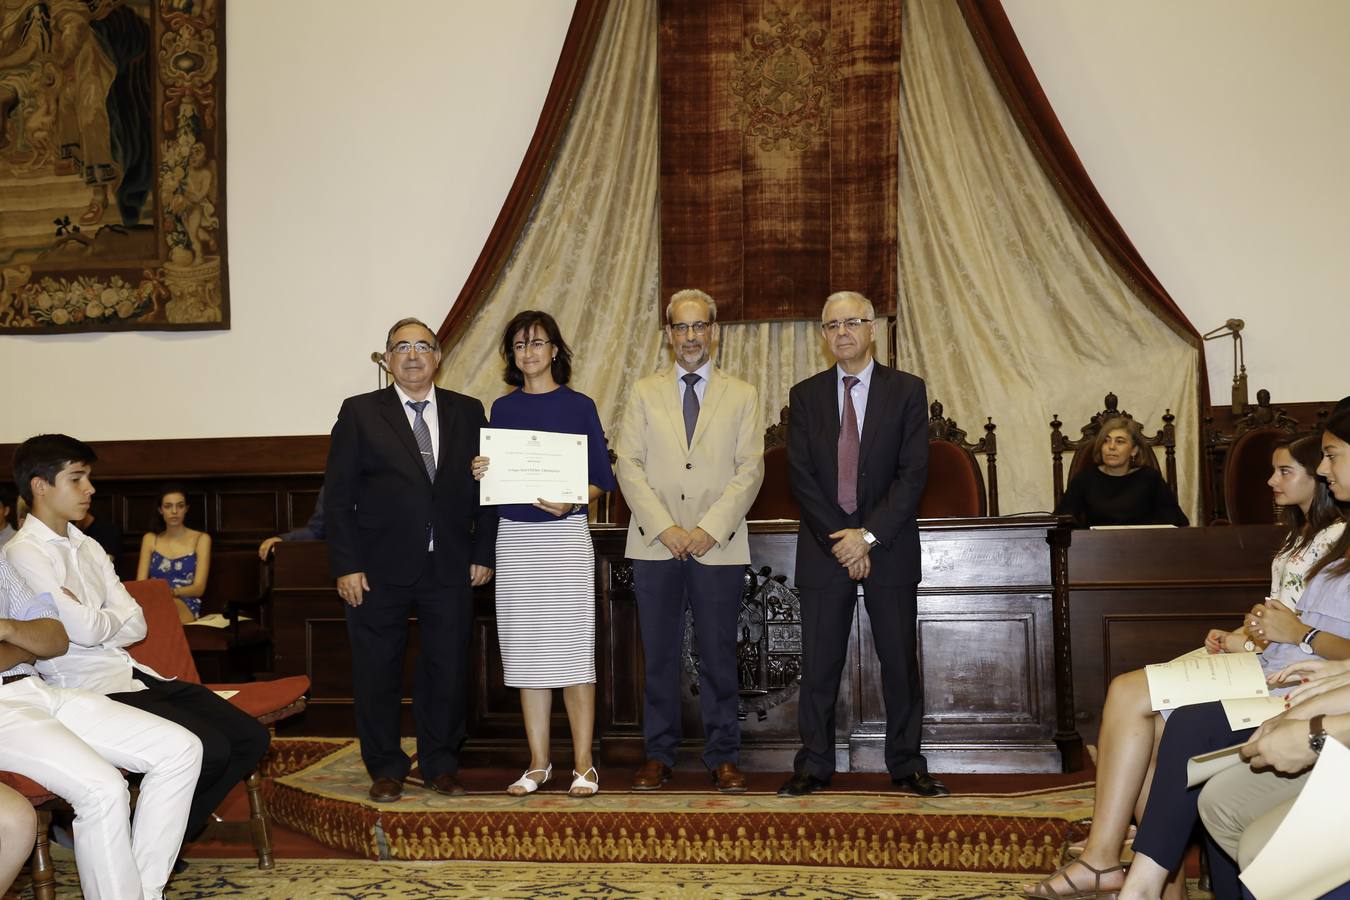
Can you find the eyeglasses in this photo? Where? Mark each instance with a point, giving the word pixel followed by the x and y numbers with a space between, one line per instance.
pixel 683 328
pixel 836 325
pixel 403 347
pixel 536 344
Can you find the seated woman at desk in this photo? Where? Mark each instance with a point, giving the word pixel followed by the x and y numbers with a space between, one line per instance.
pixel 1128 740
pixel 172 552
pixel 1123 488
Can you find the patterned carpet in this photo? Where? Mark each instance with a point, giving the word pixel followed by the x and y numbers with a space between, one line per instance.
pixel 333 878
pixel 319 789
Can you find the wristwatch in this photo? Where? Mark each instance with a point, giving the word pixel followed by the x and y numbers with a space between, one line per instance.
pixel 869 538
pixel 1249 645
pixel 1317 735
pixel 1306 644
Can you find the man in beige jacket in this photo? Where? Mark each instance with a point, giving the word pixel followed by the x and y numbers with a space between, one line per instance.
pixel 690 462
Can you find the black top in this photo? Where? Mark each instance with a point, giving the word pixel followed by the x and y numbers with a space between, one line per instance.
pixel 1140 497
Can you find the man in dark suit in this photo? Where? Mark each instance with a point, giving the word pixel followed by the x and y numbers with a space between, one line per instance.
pixel 406 537
pixel 858 454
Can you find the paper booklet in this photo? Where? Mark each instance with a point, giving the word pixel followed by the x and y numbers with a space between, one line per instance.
pixel 1251 711
pixel 1202 768
pixel 1202 679
pixel 1306 857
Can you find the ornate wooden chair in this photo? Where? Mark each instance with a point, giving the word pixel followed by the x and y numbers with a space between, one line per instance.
pixel 775 500
pixel 1241 460
pixel 165 649
pixel 956 488
pixel 1081 447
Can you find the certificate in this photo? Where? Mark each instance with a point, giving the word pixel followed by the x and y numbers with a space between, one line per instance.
pixel 1200 679
pixel 528 465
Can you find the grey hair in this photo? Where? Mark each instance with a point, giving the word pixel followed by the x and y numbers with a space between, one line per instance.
pixel 402 323
pixel 692 294
pixel 848 295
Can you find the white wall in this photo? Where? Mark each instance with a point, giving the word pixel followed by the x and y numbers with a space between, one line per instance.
pixel 369 154
pixel 368 158
pixel 1216 131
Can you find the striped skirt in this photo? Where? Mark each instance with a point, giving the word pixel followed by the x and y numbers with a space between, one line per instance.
pixel 545 580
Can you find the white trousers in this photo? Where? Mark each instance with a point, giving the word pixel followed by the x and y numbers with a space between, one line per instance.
pixel 72 742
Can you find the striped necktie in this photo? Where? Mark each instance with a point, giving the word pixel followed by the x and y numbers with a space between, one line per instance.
pixel 423 435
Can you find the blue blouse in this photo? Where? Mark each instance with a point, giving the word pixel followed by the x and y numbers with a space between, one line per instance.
pixel 564 411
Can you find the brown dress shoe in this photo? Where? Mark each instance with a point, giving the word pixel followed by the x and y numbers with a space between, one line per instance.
pixel 447 784
pixel 386 790
pixel 729 779
pixel 651 776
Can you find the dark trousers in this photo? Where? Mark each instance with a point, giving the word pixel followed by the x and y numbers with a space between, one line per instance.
pixel 233 742
pixel 663 589
pixel 378 630
pixel 1173 809
pixel 827 619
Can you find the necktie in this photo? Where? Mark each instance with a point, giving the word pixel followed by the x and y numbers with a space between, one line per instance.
pixel 690 407
pixel 423 435
pixel 848 450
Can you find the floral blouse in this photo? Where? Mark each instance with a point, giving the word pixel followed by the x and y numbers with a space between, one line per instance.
pixel 1289 570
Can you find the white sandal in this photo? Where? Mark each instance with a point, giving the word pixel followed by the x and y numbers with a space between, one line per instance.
pixel 530 785
pixel 581 782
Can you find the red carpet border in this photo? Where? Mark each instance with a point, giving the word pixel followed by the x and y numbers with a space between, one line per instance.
pixel 319 788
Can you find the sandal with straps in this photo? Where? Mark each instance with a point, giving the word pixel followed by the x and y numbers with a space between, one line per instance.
pixel 1043 891
pixel 580 782
pixel 529 785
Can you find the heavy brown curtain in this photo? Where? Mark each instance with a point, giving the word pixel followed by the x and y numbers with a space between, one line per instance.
pixel 778 152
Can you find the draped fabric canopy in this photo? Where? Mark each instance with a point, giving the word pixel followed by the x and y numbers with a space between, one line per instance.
pixel 1008 307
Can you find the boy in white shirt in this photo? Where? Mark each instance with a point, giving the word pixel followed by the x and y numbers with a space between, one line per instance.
pixel 52 473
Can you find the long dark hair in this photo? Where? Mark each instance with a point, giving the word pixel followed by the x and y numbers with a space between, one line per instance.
pixel 157 523
pixel 1337 559
pixel 525 321
pixel 1322 511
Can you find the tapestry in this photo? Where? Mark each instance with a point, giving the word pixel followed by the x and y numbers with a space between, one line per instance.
pixel 112 163
pixel 779 153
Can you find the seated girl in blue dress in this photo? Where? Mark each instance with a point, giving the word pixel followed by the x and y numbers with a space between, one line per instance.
pixel 175 553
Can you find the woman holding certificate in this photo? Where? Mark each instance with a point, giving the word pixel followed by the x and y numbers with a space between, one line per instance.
pixel 1321 630
pixel 545 572
pixel 1128 740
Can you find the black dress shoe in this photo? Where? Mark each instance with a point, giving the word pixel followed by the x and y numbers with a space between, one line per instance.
pixel 921 783
pixel 801 784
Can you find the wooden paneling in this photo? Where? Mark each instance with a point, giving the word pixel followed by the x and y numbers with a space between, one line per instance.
pixel 986 627
pixel 1149 595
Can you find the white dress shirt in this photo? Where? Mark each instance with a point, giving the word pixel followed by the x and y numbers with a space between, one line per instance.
pixel 700 386
pixel 859 392
pixel 101 622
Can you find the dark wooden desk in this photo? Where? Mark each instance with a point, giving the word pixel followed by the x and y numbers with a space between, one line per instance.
pixel 1141 596
pixel 987 624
